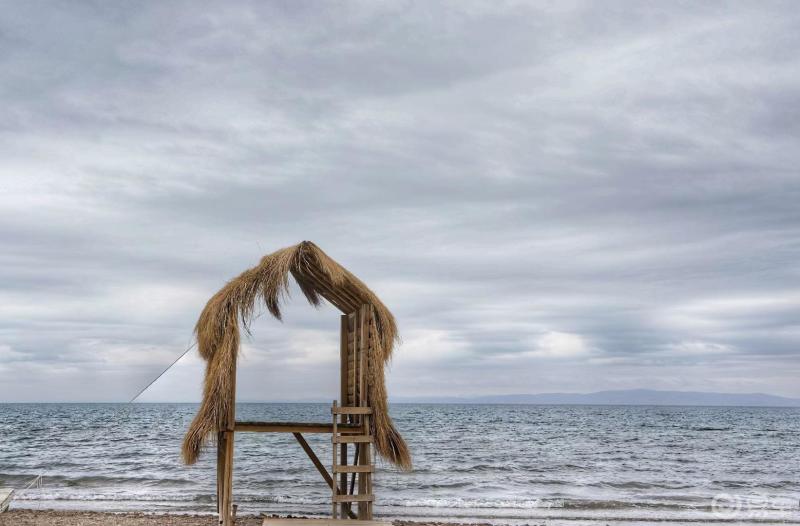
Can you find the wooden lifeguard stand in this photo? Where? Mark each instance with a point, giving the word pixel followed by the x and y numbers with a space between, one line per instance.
pixel 359 420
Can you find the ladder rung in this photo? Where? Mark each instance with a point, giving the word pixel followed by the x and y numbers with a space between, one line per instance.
pixel 351 430
pixel 350 410
pixel 353 498
pixel 351 439
pixel 353 469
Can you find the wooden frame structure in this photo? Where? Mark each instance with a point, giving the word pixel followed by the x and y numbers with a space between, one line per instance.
pixel 358 425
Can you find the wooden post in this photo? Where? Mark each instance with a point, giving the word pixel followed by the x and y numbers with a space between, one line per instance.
pixel 220 473
pixel 343 397
pixel 334 489
pixel 225 461
pixel 363 452
pixel 228 478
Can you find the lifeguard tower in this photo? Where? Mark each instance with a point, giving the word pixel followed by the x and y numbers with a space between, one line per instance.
pixel 359 420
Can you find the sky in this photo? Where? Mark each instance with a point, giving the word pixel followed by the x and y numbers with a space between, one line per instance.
pixel 554 196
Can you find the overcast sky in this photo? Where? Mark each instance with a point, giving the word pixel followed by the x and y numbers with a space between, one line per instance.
pixel 560 196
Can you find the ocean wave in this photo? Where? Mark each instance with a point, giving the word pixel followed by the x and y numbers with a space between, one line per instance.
pixel 101 481
pixel 565 461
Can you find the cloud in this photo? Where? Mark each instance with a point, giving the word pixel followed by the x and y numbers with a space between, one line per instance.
pixel 550 197
pixel 698 348
pixel 560 345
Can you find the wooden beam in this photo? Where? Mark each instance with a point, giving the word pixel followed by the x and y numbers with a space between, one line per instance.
pixel 344 410
pixel 343 453
pixel 353 498
pixel 334 487
pixel 227 477
pixel 294 427
pixel 226 508
pixel 220 474
pixel 353 439
pixel 353 469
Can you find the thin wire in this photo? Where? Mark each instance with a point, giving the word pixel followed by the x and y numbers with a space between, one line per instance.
pixel 37 482
pixel 192 346
pixel 162 373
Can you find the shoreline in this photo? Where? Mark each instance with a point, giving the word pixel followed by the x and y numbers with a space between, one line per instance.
pixel 25 517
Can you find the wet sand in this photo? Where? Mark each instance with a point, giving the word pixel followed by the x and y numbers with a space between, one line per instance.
pixel 92 518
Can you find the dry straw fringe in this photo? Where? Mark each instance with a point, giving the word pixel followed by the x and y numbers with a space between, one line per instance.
pixel 319 277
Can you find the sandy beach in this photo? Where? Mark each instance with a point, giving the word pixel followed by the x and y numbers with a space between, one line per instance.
pixel 91 518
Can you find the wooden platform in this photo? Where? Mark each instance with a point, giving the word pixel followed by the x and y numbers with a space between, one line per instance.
pixel 323 522
pixel 6 494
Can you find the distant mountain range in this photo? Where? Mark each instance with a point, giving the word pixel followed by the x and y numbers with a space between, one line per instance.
pixel 625 397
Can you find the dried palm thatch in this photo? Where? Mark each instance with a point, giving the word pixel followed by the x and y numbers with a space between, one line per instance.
pixel 319 277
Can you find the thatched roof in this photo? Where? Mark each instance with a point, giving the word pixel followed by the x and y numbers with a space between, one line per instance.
pixel 217 332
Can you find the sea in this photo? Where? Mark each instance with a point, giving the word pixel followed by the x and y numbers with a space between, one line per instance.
pixel 494 464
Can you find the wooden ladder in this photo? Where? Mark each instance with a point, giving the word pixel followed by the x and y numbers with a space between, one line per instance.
pixel 347 491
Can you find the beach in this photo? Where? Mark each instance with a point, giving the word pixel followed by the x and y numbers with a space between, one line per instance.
pixel 88 518
pixel 91 518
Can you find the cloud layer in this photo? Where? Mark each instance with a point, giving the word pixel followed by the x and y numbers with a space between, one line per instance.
pixel 563 197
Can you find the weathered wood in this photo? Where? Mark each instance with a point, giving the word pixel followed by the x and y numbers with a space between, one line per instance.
pixel 363 458
pixel 227 509
pixel 362 356
pixel 343 392
pixel 334 488
pixel 352 439
pixel 353 469
pixel 343 358
pixel 220 471
pixel 339 296
pixel 352 300
pixel 225 491
pixel 368 450
pixel 353 379
pixel 294 427
pixel 353 498
pixel 345 410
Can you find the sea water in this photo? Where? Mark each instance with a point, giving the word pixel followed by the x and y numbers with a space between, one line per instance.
pixel 502 464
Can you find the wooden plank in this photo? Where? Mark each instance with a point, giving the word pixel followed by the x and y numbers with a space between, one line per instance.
pixel 354 378
pixel 362 356
pixel 353 469
pixel 322 522
pixel 336 295
pixel 353 498
pixel 343 360
pixel 363 510
pixel 228 508
pixel 343 397
pixel 353 299
pixel 344 410
pixel 352 439
pixel 367 454
pixel 227 511
pixel 334 487
pixel 294 427
pixel 220 472
pixel 365 479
